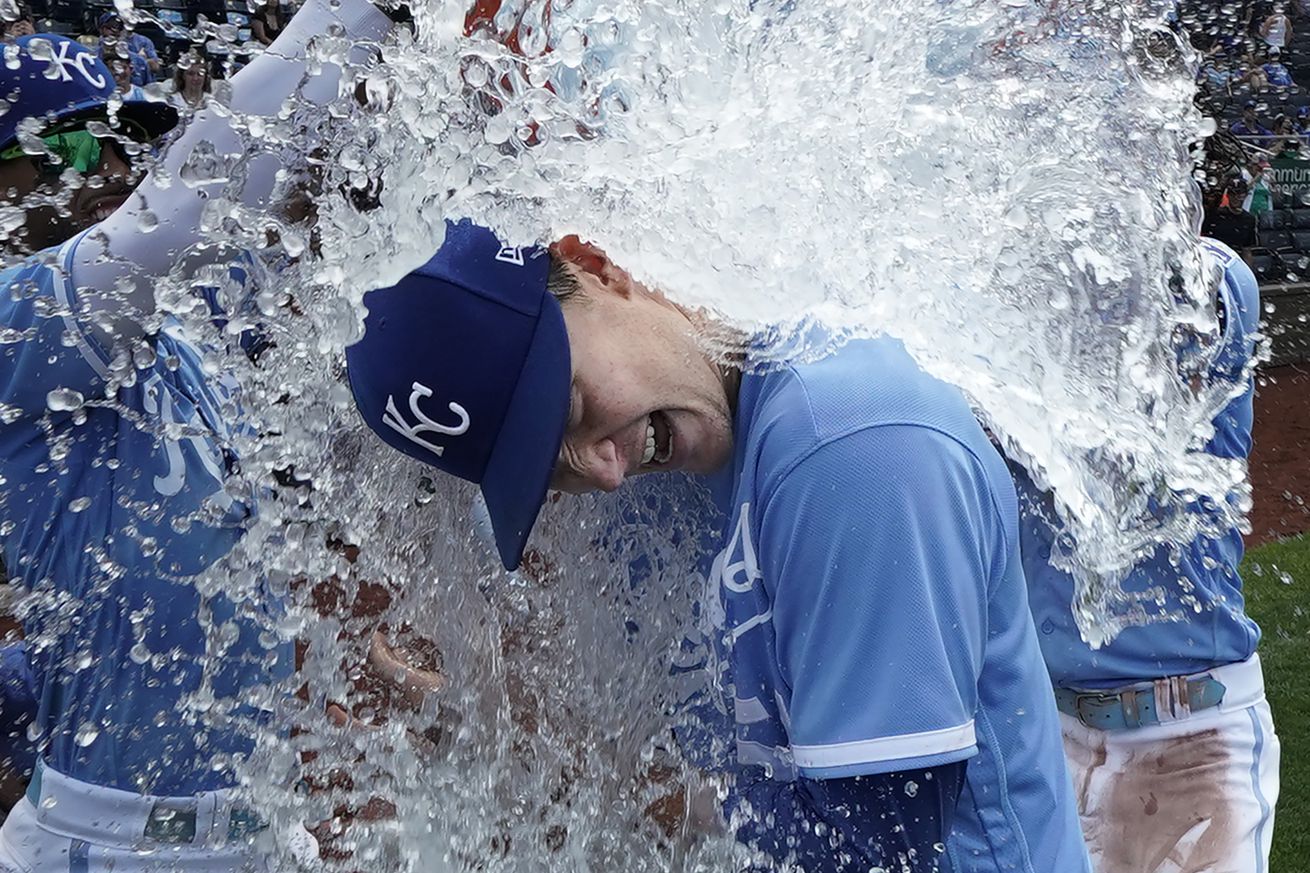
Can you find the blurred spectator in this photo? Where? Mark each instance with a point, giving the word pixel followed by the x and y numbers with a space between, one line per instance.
pixel 138 49
pixel 1283 130
pixel 191 82
pixel 1276 29
pixel 1276 73
pixel 1302 124
pixel 267 22
pixel 1252 72
pixel 1259 194
pixel 121 68
pixel 21 26
pixel 1223 73
pixel 1249 124
pixel 1231 224
pixel 1290 149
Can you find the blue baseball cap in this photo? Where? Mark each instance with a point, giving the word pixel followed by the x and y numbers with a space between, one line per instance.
pixel 57 79
pixel 465 366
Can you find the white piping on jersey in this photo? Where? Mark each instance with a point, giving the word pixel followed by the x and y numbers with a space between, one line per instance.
pixel 748 564
pixel 783 714
pixel 749 710
pixel 63 294
pixel 750 624
pixel 761 755
pixel 920 745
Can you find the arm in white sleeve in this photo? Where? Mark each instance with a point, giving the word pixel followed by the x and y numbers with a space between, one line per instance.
pixel 116 266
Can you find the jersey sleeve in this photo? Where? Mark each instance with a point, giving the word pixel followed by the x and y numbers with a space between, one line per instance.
pixel 48 347
pixel 1239 295
pixel 881 545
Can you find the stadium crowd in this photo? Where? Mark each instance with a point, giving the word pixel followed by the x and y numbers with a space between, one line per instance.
pixel 169 53
pixel 1252 79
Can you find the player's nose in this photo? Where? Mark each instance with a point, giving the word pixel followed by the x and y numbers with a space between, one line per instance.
pixel 605 467
pixel 596 467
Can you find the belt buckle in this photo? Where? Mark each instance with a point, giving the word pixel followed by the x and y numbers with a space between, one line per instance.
pixel 1097 698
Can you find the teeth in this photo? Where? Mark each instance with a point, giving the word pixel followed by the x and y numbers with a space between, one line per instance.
pixel 649 453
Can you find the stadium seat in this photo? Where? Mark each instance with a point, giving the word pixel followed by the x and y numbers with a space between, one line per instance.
pixel 1301 241
pixel 1297 266
pixel 1301 218
pixel 1268 268
pixel 1274 219
pixel 1277 240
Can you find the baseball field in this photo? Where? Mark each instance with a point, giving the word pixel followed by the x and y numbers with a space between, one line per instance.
pixel 1277 578
pixel 1276 573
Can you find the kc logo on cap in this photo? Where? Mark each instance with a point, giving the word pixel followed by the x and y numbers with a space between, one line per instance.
pixel 61 62
pixel 477 322
pixel 393 419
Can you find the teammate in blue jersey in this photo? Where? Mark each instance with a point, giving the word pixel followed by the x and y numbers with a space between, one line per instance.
pixel 1170 741
pixel 890 702
pixel 115 473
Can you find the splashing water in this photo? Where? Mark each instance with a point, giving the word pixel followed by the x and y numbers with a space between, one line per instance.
pixel 1003 186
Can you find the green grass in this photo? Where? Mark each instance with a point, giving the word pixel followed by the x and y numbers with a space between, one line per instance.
pixel 1277 579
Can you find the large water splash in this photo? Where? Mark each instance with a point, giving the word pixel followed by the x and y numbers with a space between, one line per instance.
pixel 1004 186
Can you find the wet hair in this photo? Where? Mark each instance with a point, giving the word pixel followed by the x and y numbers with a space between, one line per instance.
pixel 561 282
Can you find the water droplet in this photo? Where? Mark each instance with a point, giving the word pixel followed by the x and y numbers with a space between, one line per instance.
pixel 64 400
pixel 86 735
pixel 79 504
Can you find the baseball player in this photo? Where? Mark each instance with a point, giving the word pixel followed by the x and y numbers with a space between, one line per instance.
pixel 116 468
pixel 877 651
pixel 76 97
pixel 1170 741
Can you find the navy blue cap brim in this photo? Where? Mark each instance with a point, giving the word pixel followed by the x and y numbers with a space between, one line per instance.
pixel 522 461
pixel 155 116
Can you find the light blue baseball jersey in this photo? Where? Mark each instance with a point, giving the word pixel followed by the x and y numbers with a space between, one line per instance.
pixel 108 510
pixel 872 614
pixel 1198 588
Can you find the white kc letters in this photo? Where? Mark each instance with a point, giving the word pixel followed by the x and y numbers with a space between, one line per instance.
pixel 77 61
pixel 393 420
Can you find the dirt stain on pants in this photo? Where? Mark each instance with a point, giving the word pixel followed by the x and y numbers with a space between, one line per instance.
pixel 1164 807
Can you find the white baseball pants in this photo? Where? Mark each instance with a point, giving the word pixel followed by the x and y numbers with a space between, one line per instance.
pixel 1190 796
pixel 76 827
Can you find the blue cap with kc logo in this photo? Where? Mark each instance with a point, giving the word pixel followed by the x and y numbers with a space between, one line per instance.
pixel 465 365
pixel 53 78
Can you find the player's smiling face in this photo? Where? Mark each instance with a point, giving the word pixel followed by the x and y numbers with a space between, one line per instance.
pixel 646 395
pixel 54 211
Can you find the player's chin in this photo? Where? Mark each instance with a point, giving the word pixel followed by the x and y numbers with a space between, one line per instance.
pixel 703 443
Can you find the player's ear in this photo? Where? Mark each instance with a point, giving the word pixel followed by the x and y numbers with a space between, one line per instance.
pixel 592 260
